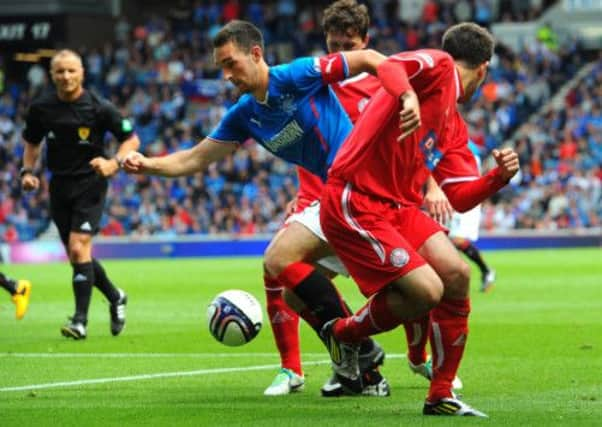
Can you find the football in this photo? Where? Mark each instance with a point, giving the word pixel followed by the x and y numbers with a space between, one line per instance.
pixel 234 317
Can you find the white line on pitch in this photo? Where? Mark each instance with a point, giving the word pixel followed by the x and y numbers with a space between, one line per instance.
pixel 162 375
pixel 146 355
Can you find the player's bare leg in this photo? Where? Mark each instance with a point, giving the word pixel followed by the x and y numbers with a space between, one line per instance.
pixel 471 251
pixel 284 323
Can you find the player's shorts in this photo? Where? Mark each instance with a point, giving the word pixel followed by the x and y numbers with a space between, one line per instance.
pixel 466 225
pixel 376 240
pixel 309 217
pixel 76 204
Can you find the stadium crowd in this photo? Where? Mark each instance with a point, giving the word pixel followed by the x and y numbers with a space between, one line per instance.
pixel 161 74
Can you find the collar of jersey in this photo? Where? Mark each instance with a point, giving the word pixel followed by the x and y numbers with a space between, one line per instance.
pixel 265 100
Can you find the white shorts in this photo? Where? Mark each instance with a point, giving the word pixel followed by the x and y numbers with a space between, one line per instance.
pixel 466 225
pixel 310 219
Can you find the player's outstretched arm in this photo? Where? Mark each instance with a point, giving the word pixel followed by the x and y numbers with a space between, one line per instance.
pixel 180 163
pixel 363 61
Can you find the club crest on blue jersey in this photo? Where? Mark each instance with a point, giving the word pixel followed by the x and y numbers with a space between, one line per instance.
pixel 287 103
pixel 431 153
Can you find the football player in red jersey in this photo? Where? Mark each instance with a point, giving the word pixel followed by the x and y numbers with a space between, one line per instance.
pixel 369 203
pixel 346 25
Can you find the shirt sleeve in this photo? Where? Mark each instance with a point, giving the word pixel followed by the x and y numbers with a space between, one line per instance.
pixel 310 73
pixel 398 72
pixel 465 195
pixel 456 165
pixel 119 126
pixel 230 128
pixel 458 176
pixel 33 132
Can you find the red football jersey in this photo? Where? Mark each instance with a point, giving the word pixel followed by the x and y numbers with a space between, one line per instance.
pixel 353 94
pixel 376 163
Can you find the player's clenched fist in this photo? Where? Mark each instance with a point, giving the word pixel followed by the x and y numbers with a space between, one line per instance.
pixel 104 167
pixel 507 160
pixel 30 182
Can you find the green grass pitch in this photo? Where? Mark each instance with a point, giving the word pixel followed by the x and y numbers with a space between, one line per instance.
pixel 534 355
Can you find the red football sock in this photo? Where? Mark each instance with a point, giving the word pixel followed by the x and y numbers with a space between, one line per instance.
pixel 449 331
pixel 373 318
pixel 294 274
pixel 417 334
pixel 285 326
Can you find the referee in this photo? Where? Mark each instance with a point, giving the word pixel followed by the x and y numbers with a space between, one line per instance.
pixel 74 121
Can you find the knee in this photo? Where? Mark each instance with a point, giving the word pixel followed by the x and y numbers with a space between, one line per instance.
pixel 432 294
pixel 79 252
pixel 272 263
pixel 277 258
pixel 457 280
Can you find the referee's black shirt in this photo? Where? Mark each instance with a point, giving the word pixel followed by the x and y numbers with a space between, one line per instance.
pixel 74 131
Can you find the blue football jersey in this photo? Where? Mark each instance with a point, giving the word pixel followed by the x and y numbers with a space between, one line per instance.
pixel 301 121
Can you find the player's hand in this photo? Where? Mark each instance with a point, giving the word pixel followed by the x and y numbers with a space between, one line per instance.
pixel 135 162
pixel 30 182
pixel 291 207
pixel 437 205
pixel 507 160
pixel 409 116
pixel 104 167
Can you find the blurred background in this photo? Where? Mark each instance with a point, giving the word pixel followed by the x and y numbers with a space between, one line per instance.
pixel 153 59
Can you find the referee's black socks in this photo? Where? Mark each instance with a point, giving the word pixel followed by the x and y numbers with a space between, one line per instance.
pixel 102 282
pixel 83 278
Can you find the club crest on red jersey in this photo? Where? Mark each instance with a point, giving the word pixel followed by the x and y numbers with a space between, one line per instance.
pixel 399 257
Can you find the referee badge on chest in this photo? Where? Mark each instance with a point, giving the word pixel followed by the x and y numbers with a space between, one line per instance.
pixel 83 133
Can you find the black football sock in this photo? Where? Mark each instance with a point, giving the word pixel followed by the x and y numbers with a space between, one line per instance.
pixel 8 284
pixel 83 277
pixel 473 253
pixel 321 297
pixel 103 283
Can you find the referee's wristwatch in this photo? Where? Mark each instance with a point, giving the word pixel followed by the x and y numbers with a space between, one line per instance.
pixel 120 161
pixel 25 171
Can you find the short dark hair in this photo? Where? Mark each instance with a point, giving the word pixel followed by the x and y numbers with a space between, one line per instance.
pixel 345 15
pixel 244 34
pixel 469 43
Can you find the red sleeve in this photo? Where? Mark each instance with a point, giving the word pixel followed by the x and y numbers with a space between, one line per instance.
pixel 394 77
pixel 333 68
pixel 397 71
pixel 458 176
pixel 465 195
pixel 457 164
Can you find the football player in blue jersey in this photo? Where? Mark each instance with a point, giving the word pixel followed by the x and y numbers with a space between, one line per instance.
pixel 292 112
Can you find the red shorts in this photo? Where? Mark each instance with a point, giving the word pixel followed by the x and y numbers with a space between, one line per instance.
pixel 376 240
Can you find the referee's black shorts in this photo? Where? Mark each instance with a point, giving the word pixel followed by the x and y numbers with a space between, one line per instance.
pixel 76 204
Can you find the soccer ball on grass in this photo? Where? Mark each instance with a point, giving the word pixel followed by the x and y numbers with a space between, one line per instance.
pixel 234 317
